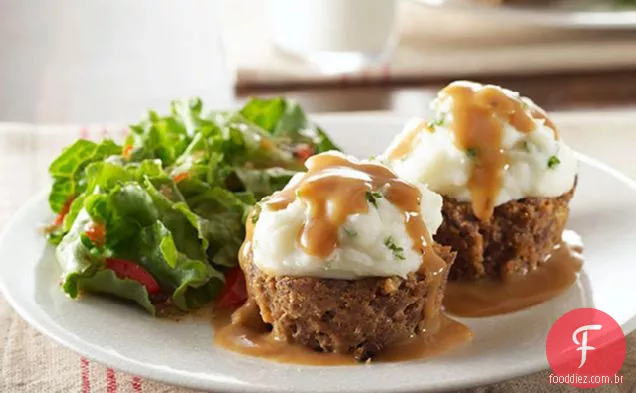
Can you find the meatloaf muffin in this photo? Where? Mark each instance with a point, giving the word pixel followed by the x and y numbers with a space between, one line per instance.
pixel 518 236
pixel 360 317
pixel 342 259
pixel 505 174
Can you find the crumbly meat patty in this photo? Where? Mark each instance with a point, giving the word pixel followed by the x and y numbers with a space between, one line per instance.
pixel 360 317
pixel 515 240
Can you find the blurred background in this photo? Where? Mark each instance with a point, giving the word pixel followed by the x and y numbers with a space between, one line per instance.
pixel 96 61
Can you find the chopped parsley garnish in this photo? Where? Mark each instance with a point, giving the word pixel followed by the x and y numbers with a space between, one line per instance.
pixel 372 196
pixel 435 123
pixel 398 252
pixel 526 147
pixel 471 152
pixel 350 231
pixel 553 162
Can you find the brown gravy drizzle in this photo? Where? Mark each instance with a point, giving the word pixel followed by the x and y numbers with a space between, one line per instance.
pixel 479 117
pixel 490 297
pixel 335 187
pixel 480 113
pixel 408 142
pixel 244 332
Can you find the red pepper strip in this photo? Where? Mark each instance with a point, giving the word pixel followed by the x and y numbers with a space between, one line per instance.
pixel 65 209
pixel 126 269
pixel 234 292
pixel 127 151
pixel 303 152
pixel 181 177
pixel 96 233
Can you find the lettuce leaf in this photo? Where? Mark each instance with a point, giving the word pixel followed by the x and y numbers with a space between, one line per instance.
pixel 193 282
pixel 173 215
pixel 264 182
pixel 166 137
pixel 75 257
pixel 67 170
pixel 174 198
pixel 136 232
pixel 286 120
pixel 219 216
pixel 106 281
pixel 245 142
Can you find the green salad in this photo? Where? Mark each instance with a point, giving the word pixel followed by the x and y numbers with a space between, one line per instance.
pixel 159 220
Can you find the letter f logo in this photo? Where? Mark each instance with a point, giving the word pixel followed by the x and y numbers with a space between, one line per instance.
pixel 583 343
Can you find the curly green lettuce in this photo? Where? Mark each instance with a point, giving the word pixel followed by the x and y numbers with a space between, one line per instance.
pixel 159 219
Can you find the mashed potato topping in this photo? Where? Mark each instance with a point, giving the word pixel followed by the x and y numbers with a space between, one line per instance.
pixel 497 131
pixel 371 243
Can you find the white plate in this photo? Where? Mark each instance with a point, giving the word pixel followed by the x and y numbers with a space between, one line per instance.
pixel 589 14
pixel 182 353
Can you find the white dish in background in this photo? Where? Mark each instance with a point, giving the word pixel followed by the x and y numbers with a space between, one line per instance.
pixel 588 14
pixel 183 353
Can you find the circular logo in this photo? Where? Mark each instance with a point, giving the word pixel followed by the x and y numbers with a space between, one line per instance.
pixel 585 348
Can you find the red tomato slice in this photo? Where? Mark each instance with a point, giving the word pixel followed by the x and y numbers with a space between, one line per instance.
pixel 234 292
pixel 130 270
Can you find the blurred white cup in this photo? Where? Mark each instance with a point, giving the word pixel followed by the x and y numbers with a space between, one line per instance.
pixel 336 35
